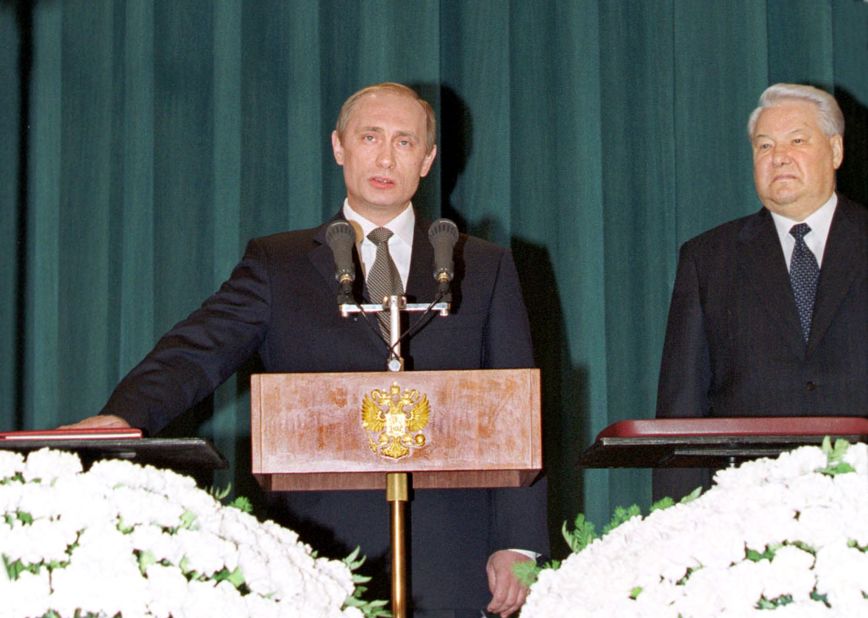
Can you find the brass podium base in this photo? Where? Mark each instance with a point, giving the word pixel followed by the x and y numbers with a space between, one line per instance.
pixel 397 494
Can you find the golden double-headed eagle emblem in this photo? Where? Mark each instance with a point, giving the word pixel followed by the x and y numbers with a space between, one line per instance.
pixel 394 420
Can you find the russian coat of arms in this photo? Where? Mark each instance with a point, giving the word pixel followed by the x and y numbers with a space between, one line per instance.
pixel 394 420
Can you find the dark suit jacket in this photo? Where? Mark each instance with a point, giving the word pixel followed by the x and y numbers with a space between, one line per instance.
pixel 281 302
pixel 733 342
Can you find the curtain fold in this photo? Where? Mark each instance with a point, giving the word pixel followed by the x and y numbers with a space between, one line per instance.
pixel 13 64
pixel 143 143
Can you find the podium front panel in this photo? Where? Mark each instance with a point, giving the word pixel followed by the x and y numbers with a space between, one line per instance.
pixel 483 429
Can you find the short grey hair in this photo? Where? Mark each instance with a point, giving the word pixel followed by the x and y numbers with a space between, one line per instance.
pixel 829 113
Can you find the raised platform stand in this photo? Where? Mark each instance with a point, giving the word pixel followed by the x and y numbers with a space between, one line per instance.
pixel 712 442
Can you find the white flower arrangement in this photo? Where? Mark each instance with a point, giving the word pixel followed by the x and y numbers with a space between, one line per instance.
pixel 788 535
pixel 127 541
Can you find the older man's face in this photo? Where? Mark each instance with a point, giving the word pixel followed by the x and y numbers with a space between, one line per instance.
pixel 794 162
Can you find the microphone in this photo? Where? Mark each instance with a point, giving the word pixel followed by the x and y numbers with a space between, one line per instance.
pixel 443 235
pixel 341 238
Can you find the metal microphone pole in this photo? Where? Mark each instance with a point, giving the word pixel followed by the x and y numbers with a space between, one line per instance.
pixel 397 483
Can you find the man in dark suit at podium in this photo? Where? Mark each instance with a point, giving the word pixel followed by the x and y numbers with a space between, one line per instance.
pixel 769 314
pixel 280 303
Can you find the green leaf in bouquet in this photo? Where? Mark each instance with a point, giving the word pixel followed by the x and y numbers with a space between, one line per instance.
pixel 784 599
pixel 527 572
pixel 220 494
pixel 234 577
pixel 693 495
pixel 803 546
pixel 15 478
pixel 17 567
pixel 242 504
pixel 187 570
pixel 25 518
pixel 663 503
pixel 371 609
pixel 666 502
pixel 188 520
pixel 123 528
pixel 835 463
pixel 855 545
pixel 582 535
pixel 146 558
pixel 767 554
pixel 621 515
pixel 354 560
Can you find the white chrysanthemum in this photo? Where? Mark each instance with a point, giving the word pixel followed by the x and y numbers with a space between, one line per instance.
pixel 239 527
pixel 102 577
pixel 842 573
pixel 36 543
pixel 167 588
pixel 37 500
pixel 161 545
pixel 858 458
pixel 11 463
pixel 127 540
pixel 205 553
pixel 790 573
pixel 10 498
pixel 136 507
pixel 26 596
pixel 710 557
pixel 47 465
pixel 257 570
pixel 80 500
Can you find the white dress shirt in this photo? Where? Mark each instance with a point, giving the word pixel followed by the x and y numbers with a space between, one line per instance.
pixel 400 244
pixel 819 221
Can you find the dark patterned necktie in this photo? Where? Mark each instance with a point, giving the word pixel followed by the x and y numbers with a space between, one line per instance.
pixel 804 274
pixel 383 279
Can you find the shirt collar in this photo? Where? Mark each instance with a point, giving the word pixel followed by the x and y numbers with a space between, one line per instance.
pixel 402 226
pixel 819 221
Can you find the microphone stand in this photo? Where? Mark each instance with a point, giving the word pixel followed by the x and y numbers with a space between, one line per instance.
pixel 394 305
pixel 397 483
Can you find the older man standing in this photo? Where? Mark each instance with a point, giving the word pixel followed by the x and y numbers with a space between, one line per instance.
pixel 769 315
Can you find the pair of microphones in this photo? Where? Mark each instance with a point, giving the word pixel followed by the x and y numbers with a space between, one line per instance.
pixel 341 238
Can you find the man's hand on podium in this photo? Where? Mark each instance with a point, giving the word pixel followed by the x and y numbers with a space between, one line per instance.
pixel 101 421
pixel 507 593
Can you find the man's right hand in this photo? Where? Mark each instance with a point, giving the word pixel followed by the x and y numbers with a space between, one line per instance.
pixel 101 421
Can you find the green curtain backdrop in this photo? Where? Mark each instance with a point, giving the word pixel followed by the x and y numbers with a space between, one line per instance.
pixel 143 142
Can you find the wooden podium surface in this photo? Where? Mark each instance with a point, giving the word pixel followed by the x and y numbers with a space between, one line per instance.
pixel 483 430
pixel 712 442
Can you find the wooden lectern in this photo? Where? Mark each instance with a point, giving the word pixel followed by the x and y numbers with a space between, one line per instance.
pixel 449 429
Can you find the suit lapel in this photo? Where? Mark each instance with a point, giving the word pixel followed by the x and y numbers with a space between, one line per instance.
pixel 322 258
pixel 323 261
pixel 421 287
pixel 762 264
pixel 845 260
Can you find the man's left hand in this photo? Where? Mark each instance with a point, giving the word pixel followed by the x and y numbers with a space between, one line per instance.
pixel 507 593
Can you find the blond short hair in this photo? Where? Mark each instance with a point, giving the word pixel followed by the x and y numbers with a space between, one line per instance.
pixel 393 88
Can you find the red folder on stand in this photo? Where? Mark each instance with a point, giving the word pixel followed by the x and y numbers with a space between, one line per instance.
pixel 99 433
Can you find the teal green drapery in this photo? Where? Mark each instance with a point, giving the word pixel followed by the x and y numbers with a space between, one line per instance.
pixel 142 143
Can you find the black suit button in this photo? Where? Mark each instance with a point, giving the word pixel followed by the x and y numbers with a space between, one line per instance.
pixel 810 386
